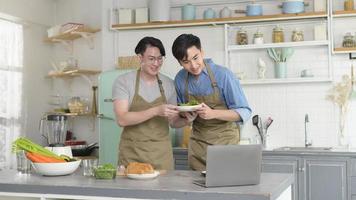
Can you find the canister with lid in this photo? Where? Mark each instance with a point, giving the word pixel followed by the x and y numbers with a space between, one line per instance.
pixel 258 37
pixel 297 35
pixel 278 34
pixel 241 37
pixel 348 40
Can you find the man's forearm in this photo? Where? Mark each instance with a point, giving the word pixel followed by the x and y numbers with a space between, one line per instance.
pixel 133 118
pixel 227 115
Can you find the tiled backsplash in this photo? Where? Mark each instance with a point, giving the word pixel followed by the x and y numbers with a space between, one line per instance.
pixel 287 104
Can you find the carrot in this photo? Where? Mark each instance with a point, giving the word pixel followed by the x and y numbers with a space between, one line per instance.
pixel 35 157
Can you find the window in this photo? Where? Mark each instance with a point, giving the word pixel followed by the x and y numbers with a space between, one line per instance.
pixel 11 64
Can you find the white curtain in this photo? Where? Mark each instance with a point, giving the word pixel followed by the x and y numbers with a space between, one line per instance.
pixel 11 64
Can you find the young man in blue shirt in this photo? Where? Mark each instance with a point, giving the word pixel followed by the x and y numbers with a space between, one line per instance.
pixel 224 105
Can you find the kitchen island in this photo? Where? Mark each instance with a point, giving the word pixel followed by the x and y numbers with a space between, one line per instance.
pixel 172 185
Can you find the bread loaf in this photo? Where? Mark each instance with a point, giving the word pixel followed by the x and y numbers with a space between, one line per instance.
pixel 139 168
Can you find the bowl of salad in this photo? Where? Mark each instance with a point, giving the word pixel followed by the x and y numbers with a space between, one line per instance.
pixel 189 107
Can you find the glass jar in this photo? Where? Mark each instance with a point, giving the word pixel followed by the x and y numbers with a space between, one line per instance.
pixel 277 35
pixel 78 105
pixel 241 37
pixel 348 40
pixel 349 5
pixel 297 35
pixel 258 38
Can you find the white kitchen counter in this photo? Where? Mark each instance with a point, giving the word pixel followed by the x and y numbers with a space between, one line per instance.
pixel 173 185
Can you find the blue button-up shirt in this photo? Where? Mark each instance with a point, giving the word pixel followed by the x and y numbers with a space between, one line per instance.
pixel 229 86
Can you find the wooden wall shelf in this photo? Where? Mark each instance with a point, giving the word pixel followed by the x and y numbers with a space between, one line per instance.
pixel 345 50
pixel 219 21
pixel 71 35
pixel 73 73
pixel 343 13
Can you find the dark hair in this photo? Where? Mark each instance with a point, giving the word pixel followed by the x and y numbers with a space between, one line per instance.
pixel 149 42
pixel 182 43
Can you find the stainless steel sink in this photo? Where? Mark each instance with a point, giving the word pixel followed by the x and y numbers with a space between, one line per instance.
pixel 303 149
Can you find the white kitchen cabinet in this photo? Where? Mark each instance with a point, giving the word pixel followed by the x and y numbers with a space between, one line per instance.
pixel 316 177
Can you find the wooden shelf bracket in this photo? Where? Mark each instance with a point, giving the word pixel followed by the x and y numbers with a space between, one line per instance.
pixel 89 37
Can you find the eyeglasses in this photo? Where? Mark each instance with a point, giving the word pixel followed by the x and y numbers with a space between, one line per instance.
pixel 152 59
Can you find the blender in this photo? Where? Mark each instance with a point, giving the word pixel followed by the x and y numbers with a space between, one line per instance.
pixel 54 128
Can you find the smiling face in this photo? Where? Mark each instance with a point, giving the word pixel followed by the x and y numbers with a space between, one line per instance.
pixel 194 61
pixel 151 61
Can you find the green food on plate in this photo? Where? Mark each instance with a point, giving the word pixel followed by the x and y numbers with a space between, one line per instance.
pixel 190 103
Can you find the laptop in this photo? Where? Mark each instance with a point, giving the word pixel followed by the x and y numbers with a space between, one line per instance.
pixel 232 165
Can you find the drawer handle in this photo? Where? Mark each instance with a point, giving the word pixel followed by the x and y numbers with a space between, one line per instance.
pixel 102 116
pixel 108 100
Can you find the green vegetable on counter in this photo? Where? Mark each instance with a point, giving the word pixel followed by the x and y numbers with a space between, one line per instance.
pixel 25 144
pixel 190 103
pixel 106 171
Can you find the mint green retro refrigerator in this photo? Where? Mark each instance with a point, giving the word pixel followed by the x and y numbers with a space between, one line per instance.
pixel 109 131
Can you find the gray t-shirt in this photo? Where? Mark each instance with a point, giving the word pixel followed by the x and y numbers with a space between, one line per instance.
pixel 124 88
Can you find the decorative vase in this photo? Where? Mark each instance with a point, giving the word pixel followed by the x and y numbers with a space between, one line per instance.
pixel 188 12
pixel 159 10
pixel 280 70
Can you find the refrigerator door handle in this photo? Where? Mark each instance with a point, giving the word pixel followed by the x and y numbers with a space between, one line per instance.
pixel 108 100
pixel 102 116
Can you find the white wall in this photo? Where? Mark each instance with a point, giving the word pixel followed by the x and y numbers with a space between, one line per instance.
pixel 36 15
pixel 90 14
pixel 287 104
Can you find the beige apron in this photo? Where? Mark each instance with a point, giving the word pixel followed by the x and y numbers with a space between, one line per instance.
pixel 148 141
pixel 209 132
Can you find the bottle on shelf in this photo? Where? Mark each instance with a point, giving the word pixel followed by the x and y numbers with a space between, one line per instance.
pixel 348 5
pixel 297 35
pixel 241 37
pixel 278 34
pixel 258 37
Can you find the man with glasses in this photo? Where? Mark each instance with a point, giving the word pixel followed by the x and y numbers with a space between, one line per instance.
pixel 145 105
pixel 224 105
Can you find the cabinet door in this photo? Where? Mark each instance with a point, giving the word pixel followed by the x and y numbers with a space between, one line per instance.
pixel 274 164
pixel 325 180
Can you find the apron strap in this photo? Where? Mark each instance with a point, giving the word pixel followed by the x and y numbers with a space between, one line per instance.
pixel 214 84
pixel 186 88
pixel 161 89
pixel 137 85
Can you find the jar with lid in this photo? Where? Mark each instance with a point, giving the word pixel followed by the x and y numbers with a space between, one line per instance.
pixel 78 105
pixel 348 40
pixel 349 5
pixel 297 35
pixel 258 38
pixel 278 34
pixel 241 37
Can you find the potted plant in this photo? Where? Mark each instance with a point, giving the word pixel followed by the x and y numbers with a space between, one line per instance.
pixel 280 57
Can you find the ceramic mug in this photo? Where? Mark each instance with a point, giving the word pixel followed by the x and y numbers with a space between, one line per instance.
pixel 188 12
pixel 209 14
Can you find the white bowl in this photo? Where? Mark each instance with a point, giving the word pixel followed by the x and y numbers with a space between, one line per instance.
pixel 56 169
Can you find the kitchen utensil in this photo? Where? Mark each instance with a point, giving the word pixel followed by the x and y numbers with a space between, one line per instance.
pixel 256 122
pixel 269 122
pixel 83 150
pixel 293 6
pixel 54 129
pixel 252 9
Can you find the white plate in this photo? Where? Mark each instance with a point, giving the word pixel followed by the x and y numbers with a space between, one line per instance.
pixel 143 176
pixel 56 169
pixel 189 108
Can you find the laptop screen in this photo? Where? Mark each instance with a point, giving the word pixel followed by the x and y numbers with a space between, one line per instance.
pixel 229 165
